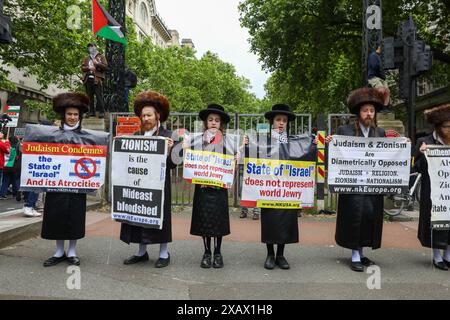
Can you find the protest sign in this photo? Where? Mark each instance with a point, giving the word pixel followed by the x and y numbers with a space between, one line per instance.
pixel 279 175
pixel 213 165
pixel 138 177
pixel 54 160
pixel 368 165
pixel 438 158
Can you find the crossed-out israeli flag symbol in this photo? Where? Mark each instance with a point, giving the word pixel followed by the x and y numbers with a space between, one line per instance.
pixel 87 164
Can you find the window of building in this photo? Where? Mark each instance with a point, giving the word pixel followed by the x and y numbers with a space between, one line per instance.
pixel 143 14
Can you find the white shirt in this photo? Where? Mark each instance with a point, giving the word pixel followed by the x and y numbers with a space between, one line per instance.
pixel 437 137
pixel 365 131
pixel 69 128
pixel 152 131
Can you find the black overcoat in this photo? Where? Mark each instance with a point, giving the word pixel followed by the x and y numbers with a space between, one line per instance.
pixel 210 210
pixel 64 214
pixel 359 220
pixel 441 238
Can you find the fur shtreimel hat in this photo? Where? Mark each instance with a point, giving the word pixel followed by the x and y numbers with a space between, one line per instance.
pixel 438 114
pixel 216 109
pixel 361 96
pixel 280 109
pixel 71 100
pixel 152 99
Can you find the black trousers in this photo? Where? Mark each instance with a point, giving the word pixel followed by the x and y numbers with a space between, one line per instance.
pixel 96 90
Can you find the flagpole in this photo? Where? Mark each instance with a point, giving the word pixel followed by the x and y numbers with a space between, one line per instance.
pixel 92 16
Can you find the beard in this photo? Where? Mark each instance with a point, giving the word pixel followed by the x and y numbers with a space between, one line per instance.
pixel 147 126
pixel 368 122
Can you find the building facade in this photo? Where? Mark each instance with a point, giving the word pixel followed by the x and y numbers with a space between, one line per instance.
pixel 149 24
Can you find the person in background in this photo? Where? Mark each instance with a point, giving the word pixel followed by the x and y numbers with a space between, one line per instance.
pixel 94 67
pixel 4 149
pixel 439 118
pixel 11 170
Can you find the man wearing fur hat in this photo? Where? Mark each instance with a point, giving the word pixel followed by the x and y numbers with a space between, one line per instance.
pixel 439 118
pixel 153 109
pixel 359 221
pixel 65 213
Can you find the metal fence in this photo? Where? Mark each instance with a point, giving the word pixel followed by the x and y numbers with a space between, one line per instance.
pixel 335 120
pixel 183 192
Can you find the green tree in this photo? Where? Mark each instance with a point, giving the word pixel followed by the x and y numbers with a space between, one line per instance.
pixel 50 44
pixel 313 47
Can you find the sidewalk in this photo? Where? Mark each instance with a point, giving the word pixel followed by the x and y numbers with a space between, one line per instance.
pixel 15 227
pixel 319 268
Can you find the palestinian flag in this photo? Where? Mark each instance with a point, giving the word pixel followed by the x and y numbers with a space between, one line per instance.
pixel 104 25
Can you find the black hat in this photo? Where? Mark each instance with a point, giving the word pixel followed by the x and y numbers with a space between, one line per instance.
pixel 216 109
pixel 280 109
pixel 71 100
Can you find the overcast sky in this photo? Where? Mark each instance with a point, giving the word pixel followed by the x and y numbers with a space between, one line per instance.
pixel 214 25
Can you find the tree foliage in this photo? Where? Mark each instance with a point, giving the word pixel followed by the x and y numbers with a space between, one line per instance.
pixel 50 38
pixel 313 47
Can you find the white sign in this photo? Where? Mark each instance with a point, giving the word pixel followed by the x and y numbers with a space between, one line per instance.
pixel 438 158
pixel 283 184
pixel 369 165
pixel 138 177
pixel 59 167
pixel 209 168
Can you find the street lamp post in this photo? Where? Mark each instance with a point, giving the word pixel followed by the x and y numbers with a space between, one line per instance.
pixel 114 88
pixel 372 31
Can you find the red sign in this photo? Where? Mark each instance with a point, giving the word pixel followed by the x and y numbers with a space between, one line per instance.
pixel 128 121
pixel 126 130
pixel 89 173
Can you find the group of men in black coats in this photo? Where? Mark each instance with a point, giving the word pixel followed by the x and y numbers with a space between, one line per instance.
pixel 359 220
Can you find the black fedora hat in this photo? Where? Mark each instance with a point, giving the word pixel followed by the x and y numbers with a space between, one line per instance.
pixel 216 109
pixel 280 109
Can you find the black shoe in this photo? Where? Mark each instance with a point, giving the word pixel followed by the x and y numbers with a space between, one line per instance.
pixel 282 262
pixel 218 261
pixel 243 215
pixel 19 196
pixel 440 265
pixel 136 259
pixel 74 261
pixel 54 260
pixel 255 216
pixel 270 262
pixel 366 262
pixel 206 261
pixel 357 266
pixel 447 263
pixel 86 116
pixel 101 115
pixel 91 114
pixel 162 262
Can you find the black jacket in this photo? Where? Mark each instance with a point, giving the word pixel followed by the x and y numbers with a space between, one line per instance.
pixel 441 237
pixel 64 215
pixel 360 217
